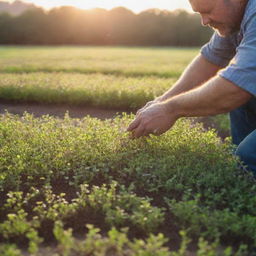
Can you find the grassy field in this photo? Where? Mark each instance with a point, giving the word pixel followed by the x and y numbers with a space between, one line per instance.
pixel 83 187
pixel 120 78
pixel 161 62
pixel 106 91
pixel 111 78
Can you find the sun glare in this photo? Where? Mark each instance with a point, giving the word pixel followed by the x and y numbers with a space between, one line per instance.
pixel 133 5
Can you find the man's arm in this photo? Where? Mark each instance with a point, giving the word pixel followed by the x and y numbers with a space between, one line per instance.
pixel 214 97
pixel 199 71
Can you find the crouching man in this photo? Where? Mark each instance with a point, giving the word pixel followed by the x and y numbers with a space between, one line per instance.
pixel 222 78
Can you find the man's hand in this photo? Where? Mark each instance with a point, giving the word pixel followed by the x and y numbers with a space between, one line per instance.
pixel 154 119
pixel 156 100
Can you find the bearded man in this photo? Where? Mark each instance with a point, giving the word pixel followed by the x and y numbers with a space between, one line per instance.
pixel 222 78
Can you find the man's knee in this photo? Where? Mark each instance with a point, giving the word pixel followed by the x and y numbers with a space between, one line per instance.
pixel 243 121
pixel 246 153
pixel 242 152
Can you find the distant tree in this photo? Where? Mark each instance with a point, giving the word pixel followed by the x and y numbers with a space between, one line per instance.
pixel 119 26
pixel 15 8
pixel 30 27
pixel 5 28
pixel 61 24
pixel 95 28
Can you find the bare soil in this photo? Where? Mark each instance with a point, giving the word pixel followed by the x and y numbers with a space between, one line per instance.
pixel 56 110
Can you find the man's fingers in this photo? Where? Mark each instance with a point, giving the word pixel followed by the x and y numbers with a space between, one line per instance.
pixel 152 131
pixel 157 133
pixel 143 108
pixel 138 132
pixel 135 123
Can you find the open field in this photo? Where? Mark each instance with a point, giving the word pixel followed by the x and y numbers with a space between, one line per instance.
pixel 162 62
pixel 121 79
pixel 83 187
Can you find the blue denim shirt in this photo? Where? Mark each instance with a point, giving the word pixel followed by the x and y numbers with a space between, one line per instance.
pixel 236 53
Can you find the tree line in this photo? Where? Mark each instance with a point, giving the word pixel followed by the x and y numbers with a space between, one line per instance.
pixel 119 26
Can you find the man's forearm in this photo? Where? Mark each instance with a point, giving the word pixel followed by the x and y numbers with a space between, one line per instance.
pixel 214 97
pixel 199 71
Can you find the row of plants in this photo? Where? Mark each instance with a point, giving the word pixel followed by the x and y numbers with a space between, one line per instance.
pixel 105 91
pixel 122 61
pixel 126 225
pixel 83 187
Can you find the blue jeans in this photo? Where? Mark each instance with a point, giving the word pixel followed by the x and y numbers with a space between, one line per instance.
pixel 243 132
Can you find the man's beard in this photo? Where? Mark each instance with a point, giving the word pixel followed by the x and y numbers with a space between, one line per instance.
pixel 223 30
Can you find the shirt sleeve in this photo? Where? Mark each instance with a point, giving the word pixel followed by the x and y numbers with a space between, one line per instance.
pixel 242 69
pixel 219 50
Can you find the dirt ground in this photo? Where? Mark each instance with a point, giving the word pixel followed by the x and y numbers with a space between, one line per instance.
pixel 56 110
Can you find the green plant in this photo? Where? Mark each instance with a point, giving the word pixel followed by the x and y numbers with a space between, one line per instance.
pixel 60 175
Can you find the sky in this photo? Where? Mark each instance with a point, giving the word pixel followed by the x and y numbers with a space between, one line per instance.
pixel 134 5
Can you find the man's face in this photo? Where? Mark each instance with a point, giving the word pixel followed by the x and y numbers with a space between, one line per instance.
pixel 224 16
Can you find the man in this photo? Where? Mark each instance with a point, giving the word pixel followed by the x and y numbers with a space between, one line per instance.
pixel 202 90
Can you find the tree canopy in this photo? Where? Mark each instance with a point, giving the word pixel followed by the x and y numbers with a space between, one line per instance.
pixel 119 26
